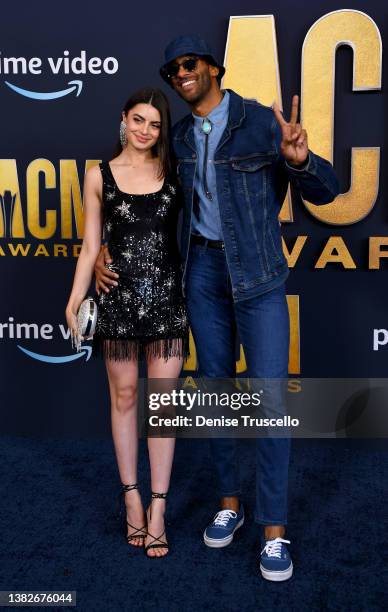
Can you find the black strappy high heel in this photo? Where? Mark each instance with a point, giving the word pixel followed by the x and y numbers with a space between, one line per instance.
pixel 140 532
pixel 156 542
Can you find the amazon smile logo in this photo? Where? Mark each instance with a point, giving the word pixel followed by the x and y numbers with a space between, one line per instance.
pixel 43 332
pixel 63 65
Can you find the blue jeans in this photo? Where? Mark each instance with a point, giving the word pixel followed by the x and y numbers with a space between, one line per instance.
pixel 262 324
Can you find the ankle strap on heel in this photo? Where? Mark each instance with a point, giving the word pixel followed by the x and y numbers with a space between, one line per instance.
pixel 124 489
pixel 128 487
pixel 158 495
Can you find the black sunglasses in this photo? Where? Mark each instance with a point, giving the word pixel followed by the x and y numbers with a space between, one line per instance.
pixel 172 69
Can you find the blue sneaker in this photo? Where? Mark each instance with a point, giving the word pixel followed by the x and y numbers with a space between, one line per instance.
pixel 221 530
pixel 275 561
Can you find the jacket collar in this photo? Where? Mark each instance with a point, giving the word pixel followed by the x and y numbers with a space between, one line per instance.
pixel 236 109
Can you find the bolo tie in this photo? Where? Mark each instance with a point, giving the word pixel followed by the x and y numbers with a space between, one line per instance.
pixel 206 129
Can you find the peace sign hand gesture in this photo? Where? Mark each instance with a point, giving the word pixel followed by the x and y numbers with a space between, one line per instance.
pixel 294 138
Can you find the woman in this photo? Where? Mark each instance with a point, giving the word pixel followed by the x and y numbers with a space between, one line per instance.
pixel 135 200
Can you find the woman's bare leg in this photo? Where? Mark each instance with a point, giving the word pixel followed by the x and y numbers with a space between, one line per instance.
pixel 123 381
pixel 161 453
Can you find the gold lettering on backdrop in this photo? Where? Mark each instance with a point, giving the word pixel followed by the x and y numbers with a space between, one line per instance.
pixel 71 199
pixel 335 251
pixel 11 210
pixel 41 250
pixel 33 199
pixel 252 67
pixel 11 217
pixel 294 385
pixel 191 361
pixel 15 249
pixel 294 350
pixel 293 255
pixel 359 31
pixel 241 364
pixel 375 252
pixel 60 249
pixel 190 382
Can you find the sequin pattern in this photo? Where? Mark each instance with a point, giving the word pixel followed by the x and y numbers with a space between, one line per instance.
pixel 145 313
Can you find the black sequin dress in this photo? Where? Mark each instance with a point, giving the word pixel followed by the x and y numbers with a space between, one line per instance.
pixel 145 314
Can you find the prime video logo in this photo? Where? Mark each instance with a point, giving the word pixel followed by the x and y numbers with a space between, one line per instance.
pixel 380 338
pixel 42 331
pixel 65 64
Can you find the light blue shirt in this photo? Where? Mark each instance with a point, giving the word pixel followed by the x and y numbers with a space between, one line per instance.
pixel 207 222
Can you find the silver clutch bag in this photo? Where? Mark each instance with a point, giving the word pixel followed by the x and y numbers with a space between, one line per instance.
pixel 86 322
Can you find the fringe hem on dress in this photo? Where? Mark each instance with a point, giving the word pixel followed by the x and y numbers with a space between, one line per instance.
pixel 129 349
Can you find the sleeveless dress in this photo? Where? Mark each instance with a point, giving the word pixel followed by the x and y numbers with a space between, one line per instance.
pixel 145 314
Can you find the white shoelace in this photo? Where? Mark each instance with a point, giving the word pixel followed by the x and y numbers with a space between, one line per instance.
pixel 222 517
pixel 273 548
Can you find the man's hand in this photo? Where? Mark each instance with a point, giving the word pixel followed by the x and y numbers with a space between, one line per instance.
pixel 104 276
pixel 294 138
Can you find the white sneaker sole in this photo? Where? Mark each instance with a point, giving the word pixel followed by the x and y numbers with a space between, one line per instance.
pixel 225 541
pixel 277 576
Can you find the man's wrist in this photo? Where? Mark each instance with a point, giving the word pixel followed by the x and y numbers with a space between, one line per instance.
pixel 301 166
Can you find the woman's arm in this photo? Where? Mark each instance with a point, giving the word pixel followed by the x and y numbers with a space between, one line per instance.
pixel 90 244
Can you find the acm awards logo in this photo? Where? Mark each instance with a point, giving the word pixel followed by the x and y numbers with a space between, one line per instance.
pixel 62 65
pixel 31 217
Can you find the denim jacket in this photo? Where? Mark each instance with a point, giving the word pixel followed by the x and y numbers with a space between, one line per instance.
pixel 252 180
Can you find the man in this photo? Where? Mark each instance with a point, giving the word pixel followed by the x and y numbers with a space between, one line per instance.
pixel 235 159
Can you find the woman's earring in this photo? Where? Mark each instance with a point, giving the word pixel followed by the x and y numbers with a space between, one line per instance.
pixel 123 134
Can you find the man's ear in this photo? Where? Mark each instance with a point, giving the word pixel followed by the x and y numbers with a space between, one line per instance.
pixel 214 70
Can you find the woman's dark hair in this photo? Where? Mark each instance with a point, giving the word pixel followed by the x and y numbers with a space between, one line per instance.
pixel 163 148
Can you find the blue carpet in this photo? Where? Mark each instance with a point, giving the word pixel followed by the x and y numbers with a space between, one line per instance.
pixel 58 530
